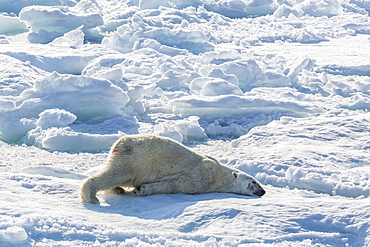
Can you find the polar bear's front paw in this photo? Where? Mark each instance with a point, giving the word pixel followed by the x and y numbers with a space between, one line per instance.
pixel 139 191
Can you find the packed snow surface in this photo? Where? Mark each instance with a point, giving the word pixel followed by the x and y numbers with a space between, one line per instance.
pixel 279 89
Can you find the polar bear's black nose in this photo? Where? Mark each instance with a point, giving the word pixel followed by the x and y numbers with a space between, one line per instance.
pixel 260 193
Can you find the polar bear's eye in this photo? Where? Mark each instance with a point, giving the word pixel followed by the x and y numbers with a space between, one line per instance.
pixel 254 182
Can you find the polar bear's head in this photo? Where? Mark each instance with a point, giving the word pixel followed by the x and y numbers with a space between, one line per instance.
pixel 246 185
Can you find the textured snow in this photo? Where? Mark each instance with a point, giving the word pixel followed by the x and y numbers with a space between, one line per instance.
pixel 279 89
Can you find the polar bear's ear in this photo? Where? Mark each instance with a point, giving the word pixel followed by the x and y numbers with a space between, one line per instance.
pixel 235 174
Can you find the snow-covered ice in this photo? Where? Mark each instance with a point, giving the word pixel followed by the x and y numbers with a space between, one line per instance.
pixel 279 89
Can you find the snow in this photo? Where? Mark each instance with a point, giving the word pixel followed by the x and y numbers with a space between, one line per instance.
pixel 73 39
pixel 49 22
pixel 50 58
pixel 11 24
pixel 279 89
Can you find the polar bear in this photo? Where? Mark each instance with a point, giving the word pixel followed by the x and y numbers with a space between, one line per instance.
pixel 158 165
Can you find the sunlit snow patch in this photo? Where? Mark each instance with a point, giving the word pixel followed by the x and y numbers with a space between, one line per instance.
pixel 14 235
pixel 53 172
pixel 49 22
pixel 16 76
pixel 86 97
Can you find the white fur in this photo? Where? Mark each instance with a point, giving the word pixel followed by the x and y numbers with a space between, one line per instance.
pixel 157 165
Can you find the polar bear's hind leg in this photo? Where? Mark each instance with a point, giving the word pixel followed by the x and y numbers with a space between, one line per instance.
pixel 103 181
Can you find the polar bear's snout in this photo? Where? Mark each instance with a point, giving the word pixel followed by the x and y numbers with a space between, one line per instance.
pixel 256 189
pixel 259 192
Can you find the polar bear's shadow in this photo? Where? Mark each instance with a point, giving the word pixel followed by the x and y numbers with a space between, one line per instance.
pixel 163 206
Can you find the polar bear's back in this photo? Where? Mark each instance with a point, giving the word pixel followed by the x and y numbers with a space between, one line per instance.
pixel 152 155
